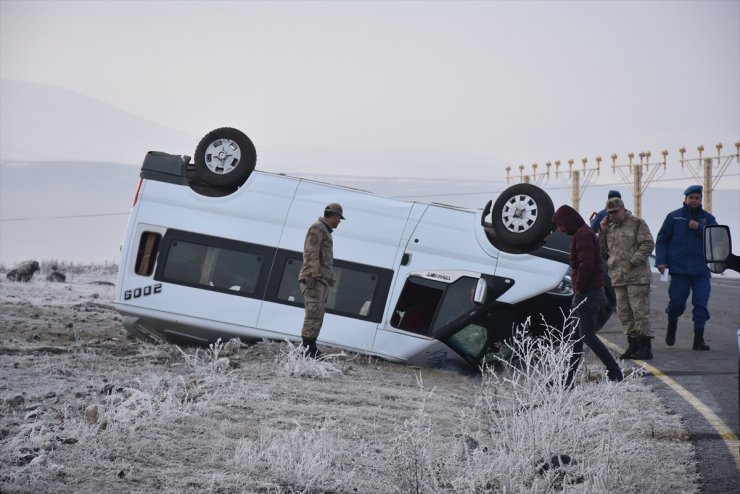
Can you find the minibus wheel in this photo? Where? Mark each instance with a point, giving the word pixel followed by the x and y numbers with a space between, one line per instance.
pixel 225 158
pixel 496 241
pixel 522 215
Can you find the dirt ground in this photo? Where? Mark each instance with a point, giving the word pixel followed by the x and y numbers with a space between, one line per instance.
pixel 83 408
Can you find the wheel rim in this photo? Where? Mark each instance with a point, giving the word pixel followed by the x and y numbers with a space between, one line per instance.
pixel 519 213
pixel 222 156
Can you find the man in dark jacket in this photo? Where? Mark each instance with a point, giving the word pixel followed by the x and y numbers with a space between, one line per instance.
pixel 679 249
pixel 588 282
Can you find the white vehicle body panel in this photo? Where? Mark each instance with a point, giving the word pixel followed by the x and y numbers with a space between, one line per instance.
pixel 275 211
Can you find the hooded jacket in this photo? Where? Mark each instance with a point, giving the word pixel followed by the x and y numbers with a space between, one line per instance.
pixel 585 255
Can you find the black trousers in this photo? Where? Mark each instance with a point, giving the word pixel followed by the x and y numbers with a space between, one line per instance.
pixel 589 304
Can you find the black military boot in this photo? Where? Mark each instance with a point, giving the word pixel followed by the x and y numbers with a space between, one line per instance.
pixel 312 350
pixel 634 344
pixel 670 336
pixel 615 375
pixel 645 350
pixel 699 339
pixel 306 347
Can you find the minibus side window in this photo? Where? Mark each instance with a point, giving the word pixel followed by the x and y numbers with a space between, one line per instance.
pixel 425 306
pixel 417 305
pixel 289 291
pixel 472 341
pixel 212 267
pixel 457 300
pixel 147 253
pixel 352 293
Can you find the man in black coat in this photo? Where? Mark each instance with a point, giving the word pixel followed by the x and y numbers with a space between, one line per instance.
pixel 588 282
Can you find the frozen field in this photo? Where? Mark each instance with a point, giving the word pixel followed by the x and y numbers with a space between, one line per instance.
pixel 85 409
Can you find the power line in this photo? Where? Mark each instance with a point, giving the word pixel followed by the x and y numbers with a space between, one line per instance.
pixel 31 218
pixel 451 194
pixel 456 194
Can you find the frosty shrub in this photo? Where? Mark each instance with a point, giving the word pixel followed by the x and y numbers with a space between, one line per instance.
pixel 303 459
pixel 527 415
pixel 527 432
pixel 418 464
pixel 103 270
pixel 210 360
pixel 520 414
pixel 294 362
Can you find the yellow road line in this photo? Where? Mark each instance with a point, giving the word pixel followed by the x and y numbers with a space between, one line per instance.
pixel 731 440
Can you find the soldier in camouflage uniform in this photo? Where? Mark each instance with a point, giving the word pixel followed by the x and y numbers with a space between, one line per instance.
pixel 628 242
pixel 316 274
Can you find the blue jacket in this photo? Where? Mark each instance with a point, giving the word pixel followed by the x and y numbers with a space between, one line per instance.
pixel 680 248
pixel 596 222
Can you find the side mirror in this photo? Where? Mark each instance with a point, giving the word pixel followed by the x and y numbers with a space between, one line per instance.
pixel 718 249
pixel 481 291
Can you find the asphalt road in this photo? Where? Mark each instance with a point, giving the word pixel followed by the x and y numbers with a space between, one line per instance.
pixel 710 379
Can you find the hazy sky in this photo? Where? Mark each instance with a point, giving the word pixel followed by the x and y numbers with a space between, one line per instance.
pixel 517 81
pixel 417 88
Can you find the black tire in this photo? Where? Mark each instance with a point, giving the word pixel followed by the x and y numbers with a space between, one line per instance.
pixel 496 241
pixel 522 215
pixel 225 158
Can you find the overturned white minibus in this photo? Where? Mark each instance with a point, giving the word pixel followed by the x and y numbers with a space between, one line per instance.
pixel 212 250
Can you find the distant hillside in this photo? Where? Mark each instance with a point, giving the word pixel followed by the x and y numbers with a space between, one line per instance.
pixel 65 211
pixel 65 154
pixel 78 211
pixel 39 122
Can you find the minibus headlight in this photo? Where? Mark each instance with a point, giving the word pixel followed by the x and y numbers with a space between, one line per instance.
pixel 564 288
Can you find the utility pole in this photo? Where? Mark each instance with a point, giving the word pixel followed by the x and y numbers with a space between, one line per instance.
pixel 709 179
pixel 641 174
pixel 575 176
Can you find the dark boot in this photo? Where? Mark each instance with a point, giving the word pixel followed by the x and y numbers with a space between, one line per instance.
pixel 615 375
pixel 699 339
pixel 312 350
pixel 645 350
pixel 634 344
pixel 306 347
pixel 670 336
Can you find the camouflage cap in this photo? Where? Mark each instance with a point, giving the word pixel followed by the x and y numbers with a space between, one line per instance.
pixel 334 208
pixel 614 204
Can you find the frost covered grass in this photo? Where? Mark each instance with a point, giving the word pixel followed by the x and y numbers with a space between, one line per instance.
pixel 105 414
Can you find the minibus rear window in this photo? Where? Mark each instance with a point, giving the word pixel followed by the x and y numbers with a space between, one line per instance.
pixel 146 255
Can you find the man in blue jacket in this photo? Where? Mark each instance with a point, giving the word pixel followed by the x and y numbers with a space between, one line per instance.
pixel 679 248
pixel 597 217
